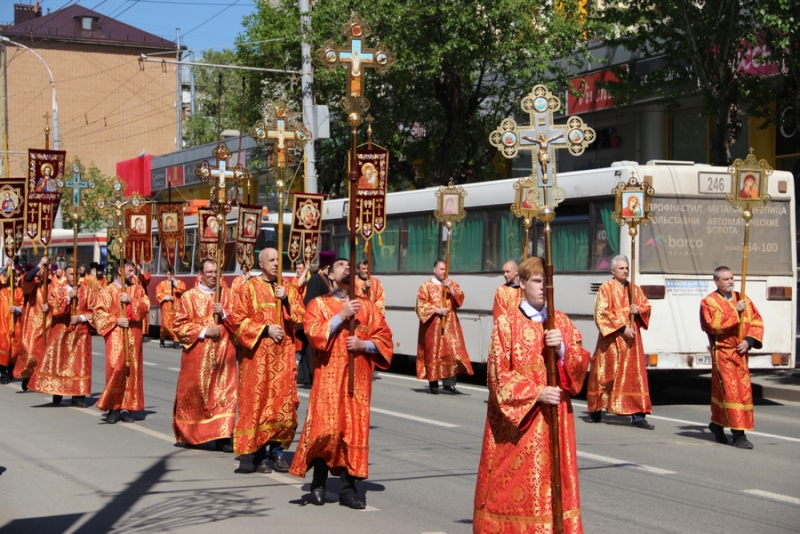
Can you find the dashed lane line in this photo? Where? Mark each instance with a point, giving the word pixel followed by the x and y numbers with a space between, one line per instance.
pixel 403 416
pixel 174 369
pixel 151 364
pixel 623 463
pixel 773 496
pixel 424 383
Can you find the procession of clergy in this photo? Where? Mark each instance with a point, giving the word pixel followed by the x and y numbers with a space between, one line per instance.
pixel 249 352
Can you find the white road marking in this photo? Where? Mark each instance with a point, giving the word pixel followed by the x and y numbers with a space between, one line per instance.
pixel 403 415
pixel 424 383
pixel 774 496
pixel 144 430
pixel 151 363
pixel 623 463
pixel 697 423
pixel 174 369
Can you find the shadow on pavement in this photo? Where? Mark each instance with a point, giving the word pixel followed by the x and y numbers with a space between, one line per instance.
pixel 54 524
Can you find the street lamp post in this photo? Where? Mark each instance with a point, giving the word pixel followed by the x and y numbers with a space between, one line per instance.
pixel 52 83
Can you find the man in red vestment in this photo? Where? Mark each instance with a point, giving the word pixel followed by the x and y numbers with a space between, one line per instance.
pixel 618 378
pixel 513 493
pixel 241 279
pixel 167 292
pixel 734 328
pixel 335 434
pixel 205 401
pixel 10 341
pixel 441 353
pixel 66 366
pixel 318 284
pixel 143 278
pixel 267 390
pixel 115 312
pixel 35 321
pixel 507 295
pixel 370 287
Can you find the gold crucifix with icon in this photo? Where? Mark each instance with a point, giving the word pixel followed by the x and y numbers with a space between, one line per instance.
pixel 282 126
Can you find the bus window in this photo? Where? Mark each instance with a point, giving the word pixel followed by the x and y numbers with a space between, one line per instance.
pixel 506 234
pixel 466 245
pixel 605 237
pixel 153 266
pixel 386 255
pixel 420 248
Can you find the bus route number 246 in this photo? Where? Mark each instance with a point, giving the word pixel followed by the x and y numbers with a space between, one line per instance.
pixel 714 183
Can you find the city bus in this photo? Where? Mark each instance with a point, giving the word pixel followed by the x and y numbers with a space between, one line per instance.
pixel 694 231
pixel 91 248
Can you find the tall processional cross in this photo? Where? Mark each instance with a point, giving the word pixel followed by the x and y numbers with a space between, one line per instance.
pixel 218 177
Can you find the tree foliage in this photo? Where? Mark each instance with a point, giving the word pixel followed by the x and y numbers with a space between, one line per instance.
pixel 92 220
pixel 701 46
pixel 462 66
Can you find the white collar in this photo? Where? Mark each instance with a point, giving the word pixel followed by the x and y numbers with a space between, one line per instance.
pixel 204 289
pixel 533 314
pixel 436 281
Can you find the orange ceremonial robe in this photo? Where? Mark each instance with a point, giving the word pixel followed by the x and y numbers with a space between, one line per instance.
pixel 267 389
pixel 34 323
pixel 205 401
pixel 731 403
pixel 164 290
pixel 374 294
pixel 440 355
pixel 618 378
pixel 238 281
pixel 506 297
pixel 124 387
pixel 66 367
pixel 513 493
pixel 10 346
pixel 336 428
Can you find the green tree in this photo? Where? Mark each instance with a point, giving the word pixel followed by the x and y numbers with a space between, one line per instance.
pixel 462 66
pixel 701 45
pixel 92 220
pixel 218 99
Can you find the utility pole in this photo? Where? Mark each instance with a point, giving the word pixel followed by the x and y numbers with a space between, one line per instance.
pixel 4 114
pixel 178 88
pixel 308 101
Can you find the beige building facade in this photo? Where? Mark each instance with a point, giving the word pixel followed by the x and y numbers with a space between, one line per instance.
pixel 111 106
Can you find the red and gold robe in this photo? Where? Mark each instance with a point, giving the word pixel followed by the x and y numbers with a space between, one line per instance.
pixel 440 355
pixel 66 367
pixel 513 493
pixel 336 428
pixel 205 401
pixel 506 297
pixel 238 281
pixel 267 388
pixel 618 377
pixel 34 324
pixel 732 402
pixel 10 346
pixel 124 380
pixel 374 294
pixel 164 290
pixel 144 280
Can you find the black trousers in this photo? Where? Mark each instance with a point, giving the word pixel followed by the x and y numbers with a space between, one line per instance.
pixel 347 482
pixel 447 382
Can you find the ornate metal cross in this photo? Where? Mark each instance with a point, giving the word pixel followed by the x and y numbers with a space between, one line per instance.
pixel 77 185
pixel 281 125
pixel 355 57
pixel 542 137
pixel 115 208
pixel 218 177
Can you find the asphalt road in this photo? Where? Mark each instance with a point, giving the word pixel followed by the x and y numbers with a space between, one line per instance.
pixel 62 470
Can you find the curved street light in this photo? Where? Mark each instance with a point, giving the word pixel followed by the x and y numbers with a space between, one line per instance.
pixel 52 83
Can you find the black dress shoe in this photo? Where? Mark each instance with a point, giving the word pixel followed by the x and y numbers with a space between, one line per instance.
pixel 434 390
pixel 177 345
pixel 4 380
pixel 352 502
pixel 112 417
pixel 161 344
pixel 596 417
pixel 452 390
pixel 719 433
pixel 126 417
pixel 78 402
pixel 57 399
pixel 280 464
pixel 317 496
pixel 642 423
pixel 741 442
pixel 25 384
pixel 264 468
pixel 223 445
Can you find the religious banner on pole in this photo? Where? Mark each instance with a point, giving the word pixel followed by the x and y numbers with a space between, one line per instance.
pixel 139 245
pixel 449 210
pixel 247 234
pixel 45 168
pixel 169 216
pixel 207 232
pixel 12 213
pixel 373 165
pixel 306 225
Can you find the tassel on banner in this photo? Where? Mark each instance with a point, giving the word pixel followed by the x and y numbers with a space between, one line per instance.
pixel 380 242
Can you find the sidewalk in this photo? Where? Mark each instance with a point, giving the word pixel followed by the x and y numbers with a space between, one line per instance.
pixel 783 385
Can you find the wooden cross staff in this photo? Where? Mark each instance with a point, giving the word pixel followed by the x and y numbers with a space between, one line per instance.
pixel 355 58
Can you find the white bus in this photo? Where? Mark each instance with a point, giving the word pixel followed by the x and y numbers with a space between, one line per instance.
pixel 694 231
pixel 91 248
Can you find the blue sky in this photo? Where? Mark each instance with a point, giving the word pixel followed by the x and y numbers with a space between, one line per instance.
pixel 204 23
